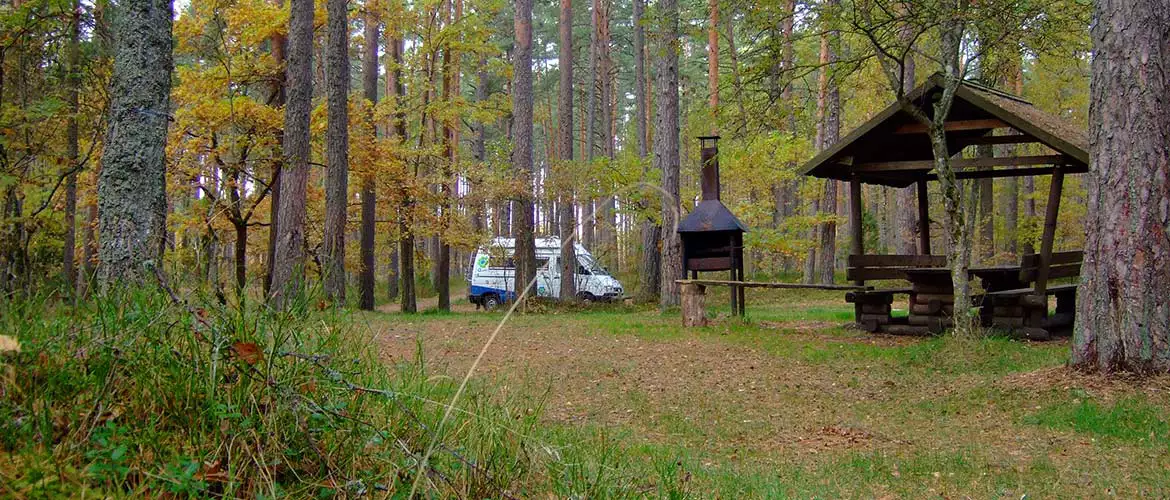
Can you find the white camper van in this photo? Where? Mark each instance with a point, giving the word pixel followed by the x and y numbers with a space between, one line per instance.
pixel 493 273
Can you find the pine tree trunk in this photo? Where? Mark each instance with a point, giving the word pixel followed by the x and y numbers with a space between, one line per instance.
pixel 289 259
pixel 713 63
pixel 394 82
pixel 71 139
pixel 276 97
pixel 905 199
pixel 132 187
pixel 522 105
pixel 369 193
pixel 651 232
pixel 666 148
pixel 986 210
pixel 568 258
pixel 831 131
pixel 336 149
pixel 1123 309
pixel 1012 184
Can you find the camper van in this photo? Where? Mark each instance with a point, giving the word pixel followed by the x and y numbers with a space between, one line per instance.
pixel 493 273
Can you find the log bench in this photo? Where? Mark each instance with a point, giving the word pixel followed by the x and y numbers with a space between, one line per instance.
pixel 872 306
pixel 1026 309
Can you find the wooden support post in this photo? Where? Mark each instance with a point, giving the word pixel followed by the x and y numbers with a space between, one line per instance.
pixel 693 298
pixel 855 225
pixel 1049 231
pixel 923 219
pixel 734 277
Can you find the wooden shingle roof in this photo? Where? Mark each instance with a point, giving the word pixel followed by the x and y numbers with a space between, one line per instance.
pixel 893 149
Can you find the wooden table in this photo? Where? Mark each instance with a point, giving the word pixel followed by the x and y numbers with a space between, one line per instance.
pixel 1002 312
pixel 932 298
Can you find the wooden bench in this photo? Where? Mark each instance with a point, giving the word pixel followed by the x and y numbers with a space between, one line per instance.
pixel 1028 307
pixel 872 306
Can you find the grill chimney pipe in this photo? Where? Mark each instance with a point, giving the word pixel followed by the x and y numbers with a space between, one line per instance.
pixel 709 155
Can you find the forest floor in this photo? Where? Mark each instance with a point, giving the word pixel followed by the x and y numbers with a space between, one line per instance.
pixel 791 402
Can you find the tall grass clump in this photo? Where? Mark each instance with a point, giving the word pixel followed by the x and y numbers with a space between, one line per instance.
pixel 137 392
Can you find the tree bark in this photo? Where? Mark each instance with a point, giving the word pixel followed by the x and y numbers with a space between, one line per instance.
pixel 394 82
pixel 289 259
pixel 713 63
pixel 277 97
pixel 666 148
pixel 132 187
pixel 336 149
pixel 522 145
pixel 651 232
pixel 74 84
pixel 369 192
pixel 905 199
pixel 830 132
pixel 568 258
pixel 1123 309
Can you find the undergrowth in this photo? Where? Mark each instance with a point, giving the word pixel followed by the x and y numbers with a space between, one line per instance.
pixel 138 393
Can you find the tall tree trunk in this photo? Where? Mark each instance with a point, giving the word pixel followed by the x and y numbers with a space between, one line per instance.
pixel 905 199
pixel 713 63
pixel 394 82
pixel 608 200
pixel 568 258
pixel 74 84
pixel 451 151
pixel 650 269
pixel 1123 309
pixel 336 149
pixel 369 193
pixel 666 148
pixel 830 132
pixel 783 192
pixel 276 97
pixel 522 145
pixel 986 210
pixel 1012 184
pixel 132 187
pixel 289 259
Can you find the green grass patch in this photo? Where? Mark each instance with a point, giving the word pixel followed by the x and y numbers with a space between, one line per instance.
pixel 1130 419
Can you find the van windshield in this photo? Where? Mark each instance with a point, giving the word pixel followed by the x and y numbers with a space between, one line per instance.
pixel 590 264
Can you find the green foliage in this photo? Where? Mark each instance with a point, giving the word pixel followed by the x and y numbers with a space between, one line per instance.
pixel 132 394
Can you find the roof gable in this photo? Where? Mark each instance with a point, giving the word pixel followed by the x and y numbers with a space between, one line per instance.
pixel 976 111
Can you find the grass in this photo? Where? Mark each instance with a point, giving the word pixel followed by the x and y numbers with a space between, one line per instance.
pixel 790 403
pixel 133 395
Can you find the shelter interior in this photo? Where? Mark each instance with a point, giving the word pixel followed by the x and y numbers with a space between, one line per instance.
pixel 894 149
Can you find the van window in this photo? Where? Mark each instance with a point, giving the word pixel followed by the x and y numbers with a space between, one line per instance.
pixel 542 263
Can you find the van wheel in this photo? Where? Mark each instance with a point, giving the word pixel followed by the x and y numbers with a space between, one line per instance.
pixel 586 297
pixel 490 302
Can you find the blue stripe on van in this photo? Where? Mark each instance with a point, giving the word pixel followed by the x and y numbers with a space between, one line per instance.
pixel 479 291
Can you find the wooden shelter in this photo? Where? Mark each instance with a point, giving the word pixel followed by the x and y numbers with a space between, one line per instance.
pixel 893 149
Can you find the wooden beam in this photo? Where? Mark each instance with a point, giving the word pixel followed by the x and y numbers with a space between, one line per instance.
pixel 752 284
pixel 855 226
pixel 923 219
pixel 884 166
pixel 984 124
pixel 998 139
pixel 1050 214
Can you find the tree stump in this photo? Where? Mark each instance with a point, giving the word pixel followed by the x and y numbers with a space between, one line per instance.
pixel 693 302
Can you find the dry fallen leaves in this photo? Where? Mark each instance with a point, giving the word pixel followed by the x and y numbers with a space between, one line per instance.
pixel 248 352
pixel 9 344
